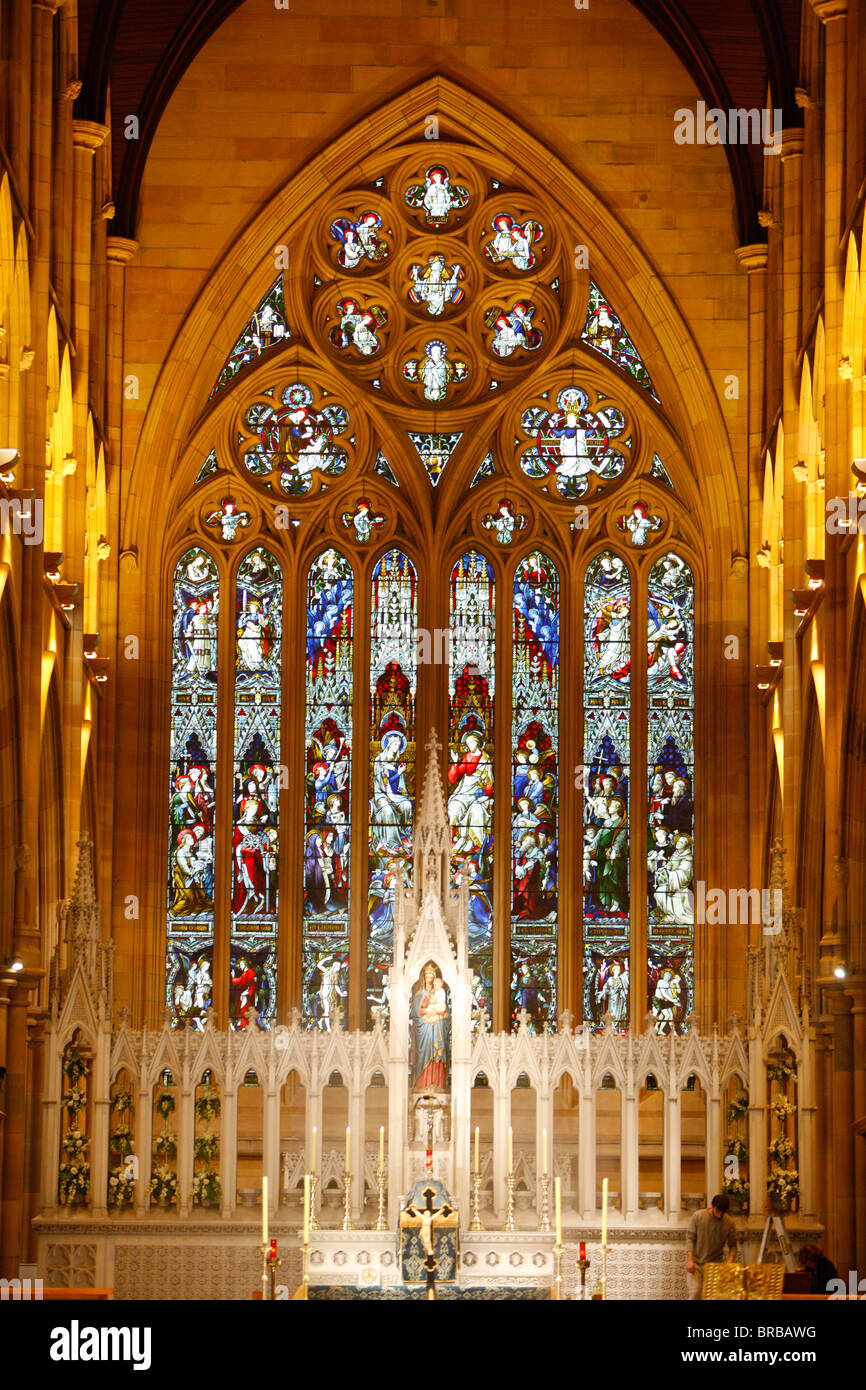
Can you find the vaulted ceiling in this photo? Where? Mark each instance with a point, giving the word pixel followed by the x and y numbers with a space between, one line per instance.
pixel 138 50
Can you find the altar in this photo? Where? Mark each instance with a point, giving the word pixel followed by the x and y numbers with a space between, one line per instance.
pixel 188 1133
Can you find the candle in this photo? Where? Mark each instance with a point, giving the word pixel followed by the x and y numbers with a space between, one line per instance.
pixel 544 1152
pixel 582 1255
pixel 348 1141
pixel 306 1208
pixel 381 1148
pixel 510 1150
pixel 313 1152
pixel 265 1209
pixel 557 1189
pixel 477 1131
pixel 604 1212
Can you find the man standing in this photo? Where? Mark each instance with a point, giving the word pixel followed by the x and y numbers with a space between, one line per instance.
pixel 709 1233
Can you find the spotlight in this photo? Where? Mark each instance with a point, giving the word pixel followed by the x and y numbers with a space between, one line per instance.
pixel 15 964
pixel 840 972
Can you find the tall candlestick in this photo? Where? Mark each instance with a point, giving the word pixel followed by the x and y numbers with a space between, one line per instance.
pixel 265 1209
pixel 306 1208
pixel 544 1151
pixel 510 1150
pixel 348 1142
pixel 604 1212
pixel 381 1147
pixel 313 1151
pixel 476 1147
pixel 557 1187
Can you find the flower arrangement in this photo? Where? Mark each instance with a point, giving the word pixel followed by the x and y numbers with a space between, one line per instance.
pixel 74 1067
pixel 72 1101
pixel 782 1185
pixel 122 1140
pixel 781 1150
pixel 165 1104
pixel 163 1184
pixel 738 1108
pixel 781 1107
pixel 781 1069
pixel 121 1188
pixel 75 1143
pixel 205 1187
pixel 121 1102
pixel 738 1189
pixel 735 1148
pixel 73 1181
pixel 166 1144
pixel 207 1146
pixel 207 1105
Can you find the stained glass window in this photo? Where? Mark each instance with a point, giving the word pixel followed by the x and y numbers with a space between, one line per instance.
pixel 670 796
pixel 470 773
pixel 393 757
pixel 256 792
pixel 606 753
pixel 327 802
pixel 603 330
pixel 265 327
pixel 190 924
pixel 574 442
pixel 535 790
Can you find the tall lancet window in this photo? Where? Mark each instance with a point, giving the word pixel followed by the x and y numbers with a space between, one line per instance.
pixel 193 742
pixel 327 800
pixel 670 775
pixel 535 789
pixel 256 792
pixel 393 757
pixel 471 677
pixel 606 754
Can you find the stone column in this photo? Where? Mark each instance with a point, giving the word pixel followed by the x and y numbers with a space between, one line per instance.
pixel 229 1152
pixel 672 1166
pixel 33 1180
pixel 271 1143
pixel 629 1153
pixel 713 1167
pixel 858 996
pixel 13 1238
pixel 840 1237
pixel 185 1143
pixel 586 1161
pixel 143 1143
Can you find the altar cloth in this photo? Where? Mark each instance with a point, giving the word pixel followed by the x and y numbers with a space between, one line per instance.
pixel 418 1293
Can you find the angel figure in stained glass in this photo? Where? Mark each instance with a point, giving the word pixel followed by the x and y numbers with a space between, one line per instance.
pixel 436 284
pixel 504 522
pixel 434 371
pixel 603 327
pixel 391 809
pixel 512 241
pixel 358 327
pixel 228 518
pixel 363 520
pixel 359 240
pixel 513 328
pixel 639 523
pixel 437 195
pixel 613 995
pixel 199 635
pixel 254 636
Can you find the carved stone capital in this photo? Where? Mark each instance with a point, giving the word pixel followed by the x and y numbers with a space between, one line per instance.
pixel 120 250
pixel 753 256
pixel 89 135
pixel 828 10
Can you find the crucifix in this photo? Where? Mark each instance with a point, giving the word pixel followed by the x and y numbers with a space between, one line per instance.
pixel 427 1215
